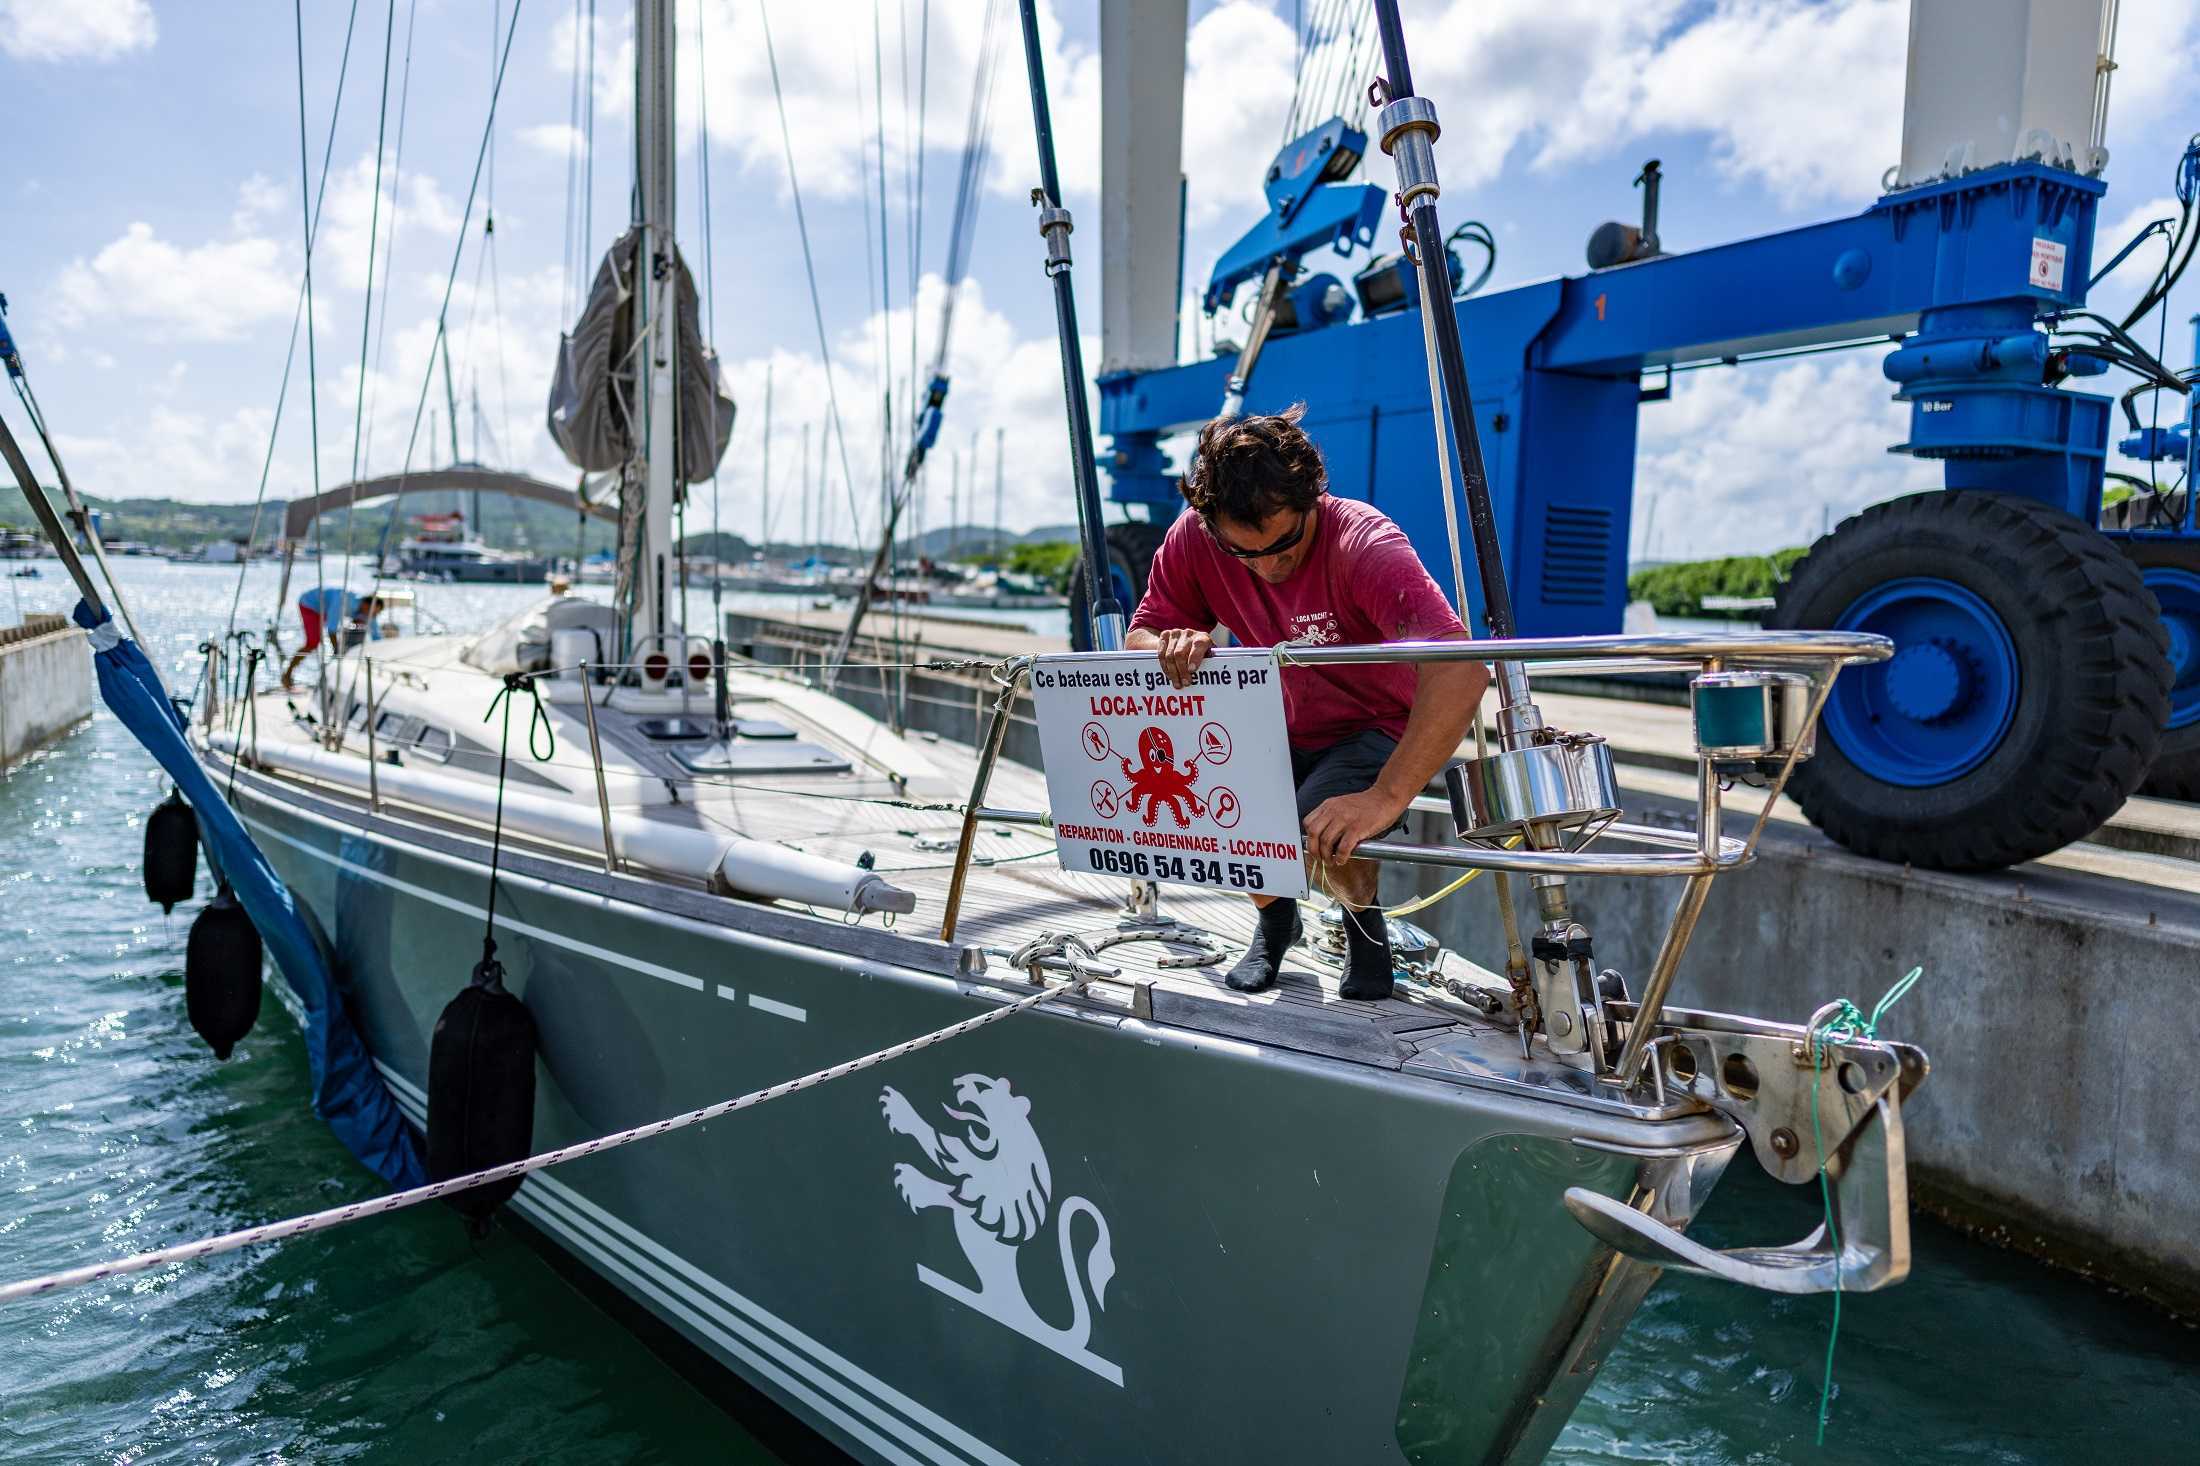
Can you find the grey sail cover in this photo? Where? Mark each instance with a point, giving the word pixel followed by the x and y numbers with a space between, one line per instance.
pixel 592 417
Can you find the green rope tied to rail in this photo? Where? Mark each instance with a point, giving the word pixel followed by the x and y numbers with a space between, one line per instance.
pixel 1845 1021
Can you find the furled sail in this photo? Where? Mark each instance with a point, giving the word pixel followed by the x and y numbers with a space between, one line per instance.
pixel 592 412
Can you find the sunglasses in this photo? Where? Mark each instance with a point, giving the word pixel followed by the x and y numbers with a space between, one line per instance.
pixel 1276 548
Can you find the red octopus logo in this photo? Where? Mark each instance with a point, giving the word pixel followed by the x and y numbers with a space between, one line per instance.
pixel 1158 781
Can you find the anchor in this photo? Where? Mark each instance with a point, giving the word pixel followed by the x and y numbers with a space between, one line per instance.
pixel 1766 1078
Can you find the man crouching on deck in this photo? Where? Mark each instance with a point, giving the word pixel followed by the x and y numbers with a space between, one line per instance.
pixel 1270 554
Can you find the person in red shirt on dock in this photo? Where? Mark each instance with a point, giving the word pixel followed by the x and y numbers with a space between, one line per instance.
pixel 1267 552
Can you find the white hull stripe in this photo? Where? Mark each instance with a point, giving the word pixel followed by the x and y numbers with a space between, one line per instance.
pixel 526 929
pixel 721 1330
pixel 563 1211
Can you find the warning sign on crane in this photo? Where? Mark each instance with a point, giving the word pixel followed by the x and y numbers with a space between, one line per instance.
pixel 1187 785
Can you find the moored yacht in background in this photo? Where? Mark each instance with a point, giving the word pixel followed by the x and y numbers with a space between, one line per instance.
pixel 439 548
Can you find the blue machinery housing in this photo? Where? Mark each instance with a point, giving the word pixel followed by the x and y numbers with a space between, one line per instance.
pixel 1958 276
pixel 1557 369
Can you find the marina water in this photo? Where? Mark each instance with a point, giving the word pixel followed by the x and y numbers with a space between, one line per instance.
pixel 399 1340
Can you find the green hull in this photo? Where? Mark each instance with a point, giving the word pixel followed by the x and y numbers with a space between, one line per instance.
pixel 1141 1240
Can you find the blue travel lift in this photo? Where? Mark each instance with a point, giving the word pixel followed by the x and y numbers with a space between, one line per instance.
pixel 2036 684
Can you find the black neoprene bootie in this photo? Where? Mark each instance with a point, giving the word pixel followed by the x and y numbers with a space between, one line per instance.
pixel 1257 969
pixel 1369 971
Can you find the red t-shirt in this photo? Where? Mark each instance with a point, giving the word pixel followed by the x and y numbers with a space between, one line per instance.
pixel 1360 583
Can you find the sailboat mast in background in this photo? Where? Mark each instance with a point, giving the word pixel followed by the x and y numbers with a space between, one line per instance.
pixel 655 143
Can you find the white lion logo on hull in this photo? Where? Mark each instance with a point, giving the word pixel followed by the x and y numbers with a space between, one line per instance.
pixel 996 1182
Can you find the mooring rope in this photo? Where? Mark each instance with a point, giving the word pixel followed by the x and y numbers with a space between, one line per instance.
pixel 337 1216
pixel 1839 1019
pixel 489 972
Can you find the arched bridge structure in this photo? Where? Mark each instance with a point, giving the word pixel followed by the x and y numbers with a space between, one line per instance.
pixel 299 514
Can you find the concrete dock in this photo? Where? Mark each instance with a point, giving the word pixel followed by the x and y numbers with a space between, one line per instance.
pixel 45 684
pixel 2056 1001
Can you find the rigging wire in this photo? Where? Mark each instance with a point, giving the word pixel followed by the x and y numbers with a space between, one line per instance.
pixel 569 283
pixel 496 293
pixel 366 312
pixel 924 423
pixel 885 305
pixel 389 250
pixel 916 143
pixel 313 370
pixel 909 186
pixel 1334 45
pixel 374 236
pixel 282 392
pixel 970 180
pixel 710 330
pixel 887 518
pixel 78 513
pixel 458 251
pixel 809 264
pixel 496 320
pixel 588 154
pixel 450 283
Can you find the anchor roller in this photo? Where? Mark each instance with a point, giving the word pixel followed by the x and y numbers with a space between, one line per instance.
pixel 221 973
pixel 481 1090
pixel 171 852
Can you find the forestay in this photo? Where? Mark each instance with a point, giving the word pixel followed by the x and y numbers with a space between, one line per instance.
pixel 347 1092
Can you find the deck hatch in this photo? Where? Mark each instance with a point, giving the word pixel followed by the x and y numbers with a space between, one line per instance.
pixel 772 757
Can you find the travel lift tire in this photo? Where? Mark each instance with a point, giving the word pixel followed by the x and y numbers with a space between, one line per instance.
pixel 2026 697
pixel 2171 570
pixel 1130 552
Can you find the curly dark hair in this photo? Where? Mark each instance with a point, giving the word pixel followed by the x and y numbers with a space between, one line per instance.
pixel 1247 468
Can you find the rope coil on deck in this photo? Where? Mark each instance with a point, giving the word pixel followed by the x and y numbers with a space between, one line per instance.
pixel 337 1216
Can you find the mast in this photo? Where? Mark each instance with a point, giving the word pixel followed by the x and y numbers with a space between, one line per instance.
pixel 1054 223
pixel 764 496
pixel 655 146
pixel 450 392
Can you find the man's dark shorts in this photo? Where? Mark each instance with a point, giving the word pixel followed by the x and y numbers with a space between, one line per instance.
pixel 1350 767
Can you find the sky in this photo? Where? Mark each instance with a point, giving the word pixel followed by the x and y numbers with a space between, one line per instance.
pixel 154 254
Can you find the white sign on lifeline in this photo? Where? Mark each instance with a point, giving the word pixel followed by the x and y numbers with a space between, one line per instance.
pixel 1186 785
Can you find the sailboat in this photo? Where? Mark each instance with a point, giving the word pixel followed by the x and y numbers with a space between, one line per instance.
pixel 1147 1218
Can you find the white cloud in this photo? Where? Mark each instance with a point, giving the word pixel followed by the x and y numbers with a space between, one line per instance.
pixel 75 30
pixel 415 206
pixel 1805 98
pixel 160 450
pixel 1237 90
pixel 2157 48
pixel 1000 379
pixel 215 291
pixel 832 87
pixel 1750 459
pixel 259 200
pixel 557 139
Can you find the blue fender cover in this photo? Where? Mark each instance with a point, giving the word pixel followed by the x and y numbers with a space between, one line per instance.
pixel 348 1093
